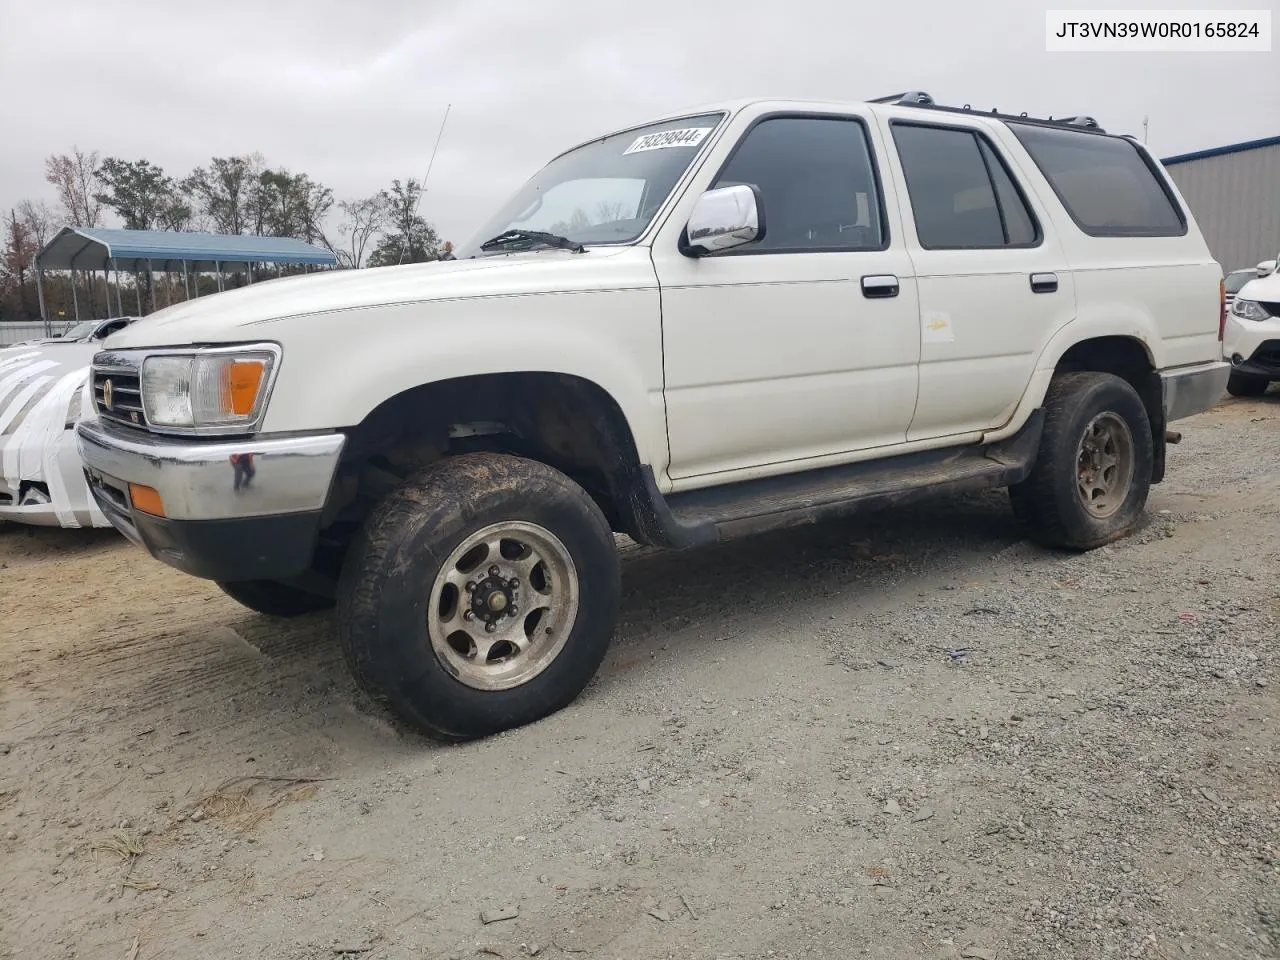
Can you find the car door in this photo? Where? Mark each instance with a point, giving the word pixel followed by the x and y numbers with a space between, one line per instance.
pixel 993 284
pixel 802 345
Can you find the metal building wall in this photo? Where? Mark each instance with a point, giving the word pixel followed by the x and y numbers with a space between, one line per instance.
pixel 1235 198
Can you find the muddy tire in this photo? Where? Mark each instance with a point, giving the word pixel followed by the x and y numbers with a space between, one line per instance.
pixel 274 599
pixel 1239 385
pixel 482 595
pixel 1091 477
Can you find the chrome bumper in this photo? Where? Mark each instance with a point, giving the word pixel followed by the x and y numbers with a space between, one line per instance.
pixel 1191 390
pixel 199 480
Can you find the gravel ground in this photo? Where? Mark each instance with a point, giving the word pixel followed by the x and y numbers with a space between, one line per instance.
pixel 910 736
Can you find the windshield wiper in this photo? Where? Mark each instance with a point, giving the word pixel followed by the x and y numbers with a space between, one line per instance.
pixel 509 237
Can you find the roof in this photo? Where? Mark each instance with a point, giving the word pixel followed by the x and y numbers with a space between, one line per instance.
pixel 1223 151
pixel 86 248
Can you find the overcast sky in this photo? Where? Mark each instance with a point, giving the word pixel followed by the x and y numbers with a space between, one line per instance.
pixel 353 92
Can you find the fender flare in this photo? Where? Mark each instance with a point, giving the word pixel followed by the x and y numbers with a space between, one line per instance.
pixel 1136 327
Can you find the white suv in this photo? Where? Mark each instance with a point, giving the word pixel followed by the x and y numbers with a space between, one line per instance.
pixel 742 317
pixel 1252 337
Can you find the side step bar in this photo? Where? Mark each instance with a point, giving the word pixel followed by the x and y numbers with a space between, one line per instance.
pixel 701 517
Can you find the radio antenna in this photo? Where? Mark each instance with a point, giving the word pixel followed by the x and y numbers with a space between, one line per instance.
pixel 430 163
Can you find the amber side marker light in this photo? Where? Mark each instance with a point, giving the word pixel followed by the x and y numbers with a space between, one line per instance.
pixel 1222 309
pixel 146 499
pixel 240 389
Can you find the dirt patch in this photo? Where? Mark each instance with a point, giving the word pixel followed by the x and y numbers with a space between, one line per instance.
pixel 915 735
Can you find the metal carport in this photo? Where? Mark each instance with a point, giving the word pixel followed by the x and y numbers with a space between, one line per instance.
pixel 146 251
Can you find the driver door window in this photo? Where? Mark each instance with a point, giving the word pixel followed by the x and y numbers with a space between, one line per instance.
pixel 816 182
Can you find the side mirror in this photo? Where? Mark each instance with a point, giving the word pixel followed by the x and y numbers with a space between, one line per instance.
pixel 1266 268
pixel 725 218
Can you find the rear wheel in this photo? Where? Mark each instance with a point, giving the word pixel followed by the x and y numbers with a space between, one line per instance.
pixel 273 598
pixel 1240 385
pixel 481 595
pixel 1090 481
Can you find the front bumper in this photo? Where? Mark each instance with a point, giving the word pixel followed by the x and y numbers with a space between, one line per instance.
pixel 1263 362
pixel 54 484
pixel 220 521
pixel 1251 346
pixel 1191 390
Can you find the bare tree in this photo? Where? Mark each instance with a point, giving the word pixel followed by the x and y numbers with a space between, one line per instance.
pixel 200 222
pixel 608 212
pixel 361 221
pixel 74 176
pixel 15 258
pixel 576 223
pixel 39 219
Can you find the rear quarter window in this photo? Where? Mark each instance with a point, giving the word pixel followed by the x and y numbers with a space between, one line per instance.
pixel 1107 185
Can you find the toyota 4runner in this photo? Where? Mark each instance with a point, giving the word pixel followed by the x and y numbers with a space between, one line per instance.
pixel 739 318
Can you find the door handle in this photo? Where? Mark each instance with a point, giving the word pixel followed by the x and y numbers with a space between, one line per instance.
pixel 1044 282
pixel 879 286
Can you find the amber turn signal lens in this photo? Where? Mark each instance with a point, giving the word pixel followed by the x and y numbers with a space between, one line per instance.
pixel 240 388
pixel 243 378
pixel 1222 309
pixel 146 499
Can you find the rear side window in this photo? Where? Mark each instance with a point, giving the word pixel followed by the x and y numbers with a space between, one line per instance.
pixel 962 196
pixel 1106 184
pixel 1020 229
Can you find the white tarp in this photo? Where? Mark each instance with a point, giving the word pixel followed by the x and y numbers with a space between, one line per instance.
pixel 43 389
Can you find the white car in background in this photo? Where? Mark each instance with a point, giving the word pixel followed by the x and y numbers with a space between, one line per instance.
pixel 1237 279
pixel 43 392
pixel 86 331
pixel 1251 338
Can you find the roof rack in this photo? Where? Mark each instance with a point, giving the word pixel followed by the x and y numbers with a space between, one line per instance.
pixel 922 100
pixel 910 98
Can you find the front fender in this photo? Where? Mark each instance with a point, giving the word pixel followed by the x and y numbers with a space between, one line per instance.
pixel 337 367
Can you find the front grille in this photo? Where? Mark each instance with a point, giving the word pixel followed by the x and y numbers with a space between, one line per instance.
pixel 114 505
pixel 1271 306
pixel 1268 353
pixel 117 395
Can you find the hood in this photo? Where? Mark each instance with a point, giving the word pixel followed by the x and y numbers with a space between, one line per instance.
pixel 1264 288
pixel 220 317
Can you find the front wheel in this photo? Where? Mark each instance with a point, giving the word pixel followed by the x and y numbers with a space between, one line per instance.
pixel 1239 385
pixel 482 595
pixel 1091 477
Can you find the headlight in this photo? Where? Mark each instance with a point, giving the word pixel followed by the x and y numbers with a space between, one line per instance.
pixel 215 392
pixel 75 407
pixel 1249 310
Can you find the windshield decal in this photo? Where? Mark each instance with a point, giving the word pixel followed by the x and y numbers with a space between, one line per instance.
pixel 688 137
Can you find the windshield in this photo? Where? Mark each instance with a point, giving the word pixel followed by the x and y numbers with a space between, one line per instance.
pixel 605 191
pixel 80 330
pixel 1238 279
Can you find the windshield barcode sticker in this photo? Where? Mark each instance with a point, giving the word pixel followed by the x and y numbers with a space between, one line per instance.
pixel 688 137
